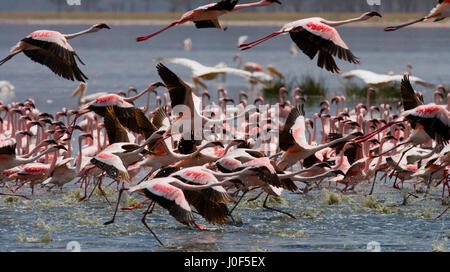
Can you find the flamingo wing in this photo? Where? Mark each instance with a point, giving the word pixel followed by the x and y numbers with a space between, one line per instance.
pixel 210 203
pixel 294 129
pixel 409 97
pixel 370 78
pixel 223 5
pixel 59 59
pixel 311 41
pixel 112 165
pixel 435 120
pixel 180 93
pixel 214 23
pixel 168 197
pixel 160 119
pixel 8 146
pixel 116 132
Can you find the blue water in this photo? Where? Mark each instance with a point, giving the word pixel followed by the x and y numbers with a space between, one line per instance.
pixel 114 61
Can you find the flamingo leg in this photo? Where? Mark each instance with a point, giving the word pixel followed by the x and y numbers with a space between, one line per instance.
pixel 117 205
pixel 255 198
pixel 8 57
pixel 148 211
pixel 95 186
pixel 373 183
pixel 6 194
pixel 393 28
pixel 135 206
pixel 401 157
pixel 237 203
pixel 273 209
pixel 246 46
pixel 143 38
pixel 443 212
pixel 85 183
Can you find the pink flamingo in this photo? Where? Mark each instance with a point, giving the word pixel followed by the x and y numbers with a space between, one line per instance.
pixel 207 16
pixel 440 12
pixel 316 35
pixel 50 48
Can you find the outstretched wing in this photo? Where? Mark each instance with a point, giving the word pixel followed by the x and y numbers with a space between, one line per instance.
pixel 59 59
pixel 293 132
pixel 409 97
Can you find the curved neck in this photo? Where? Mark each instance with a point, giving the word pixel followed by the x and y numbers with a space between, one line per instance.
pixel 23 161
pixel 314 139
pixel 184 186
pixel 322 146
pixel 240 62
pixel 309 135
pixel 147 106
pixel 80 155
pixel 71 36
pixel 132 99
pixel 344 22
pixel 251 5
pixel 341 160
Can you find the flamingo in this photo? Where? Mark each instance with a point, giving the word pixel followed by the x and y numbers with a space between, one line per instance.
pixel 38 172
pixel 88 98
pixel 293 140
pixel 50 48
pixel 129 116
pixel 316 35
pixel 207 16
pixel 439 13
pixel 209 73
pixel 10 160
pixel 168 193
pixel 6 90
pixel 380 80
pixel 63 173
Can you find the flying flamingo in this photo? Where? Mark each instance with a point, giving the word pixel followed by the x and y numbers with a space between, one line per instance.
pixel 168 193
pixel 207 16
pixel 316 35
pixel 50 48
pixel 293 140
pixel 440 12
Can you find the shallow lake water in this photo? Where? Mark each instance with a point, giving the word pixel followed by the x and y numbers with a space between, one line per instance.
pixel 326 221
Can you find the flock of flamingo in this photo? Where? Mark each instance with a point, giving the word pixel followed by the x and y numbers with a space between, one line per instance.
pixel 140 149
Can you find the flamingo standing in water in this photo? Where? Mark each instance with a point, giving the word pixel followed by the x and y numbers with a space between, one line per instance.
pixel 317 35
pixel 50 48
pixel 207 16
pixel 440 12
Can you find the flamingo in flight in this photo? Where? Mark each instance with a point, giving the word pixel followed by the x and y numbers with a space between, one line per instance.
pixel 317 35
pixel 207 16
pixel 50 48
pixel 439 13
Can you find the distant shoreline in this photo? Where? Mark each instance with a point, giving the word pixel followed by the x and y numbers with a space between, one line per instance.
pixel 166 22
pixel 232 19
